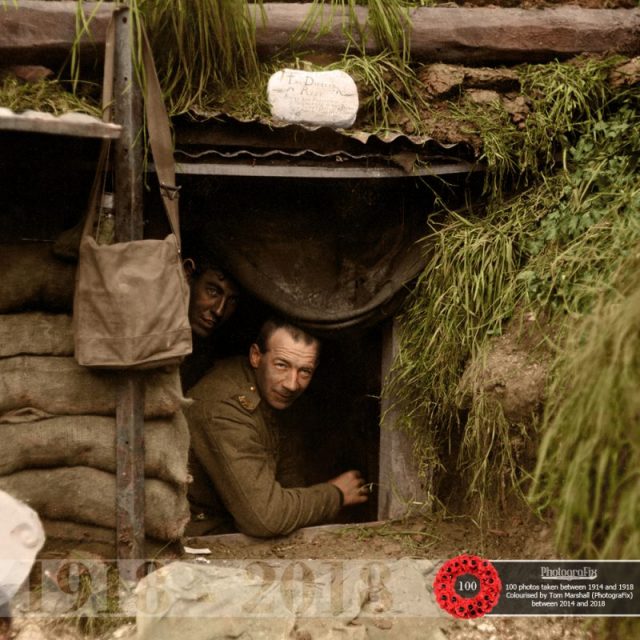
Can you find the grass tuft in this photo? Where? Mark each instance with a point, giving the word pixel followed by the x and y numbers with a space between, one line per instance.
pixel 588 468
pixel 552 249
pixel 47 95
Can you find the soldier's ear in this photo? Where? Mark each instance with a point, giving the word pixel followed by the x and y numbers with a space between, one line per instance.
pixel 255 355
pixel 189 267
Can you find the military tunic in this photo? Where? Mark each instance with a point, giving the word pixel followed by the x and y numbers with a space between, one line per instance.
pixel 240 473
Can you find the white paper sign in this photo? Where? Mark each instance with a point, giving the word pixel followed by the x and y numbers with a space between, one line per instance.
pixel 324 98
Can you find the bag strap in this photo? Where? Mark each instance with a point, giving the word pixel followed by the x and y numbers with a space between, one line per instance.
pixel 160 137
pixel 158 128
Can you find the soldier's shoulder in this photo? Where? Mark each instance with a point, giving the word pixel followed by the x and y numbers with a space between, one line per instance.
pixel 228 381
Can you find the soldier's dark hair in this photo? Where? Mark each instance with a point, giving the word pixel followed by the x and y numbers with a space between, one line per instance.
pixel 273 323
pixel 204 258
pixel 204 261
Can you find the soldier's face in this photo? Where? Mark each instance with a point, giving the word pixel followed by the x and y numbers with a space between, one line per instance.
pixel 212 302
pixel 285 370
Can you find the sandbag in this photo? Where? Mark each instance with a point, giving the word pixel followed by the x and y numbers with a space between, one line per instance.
pixel 85 495
pixel 74 532
pixel 66 441
pixel 33 278
pixel 24 414
pixel 69 538
pixel 36 333
pixel 63 387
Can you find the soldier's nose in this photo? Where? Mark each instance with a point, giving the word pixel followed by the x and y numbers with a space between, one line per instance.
pixel 291 381
pixel 218 309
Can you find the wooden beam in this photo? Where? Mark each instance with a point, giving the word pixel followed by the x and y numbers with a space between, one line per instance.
pixel 69 124
pixel 129 221
pixel 34 30
pixel 476 35
pixel 401 490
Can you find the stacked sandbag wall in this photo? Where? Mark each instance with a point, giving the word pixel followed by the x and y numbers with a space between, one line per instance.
pixel 57 419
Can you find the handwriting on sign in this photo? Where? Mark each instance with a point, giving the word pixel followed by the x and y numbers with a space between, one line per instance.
pixel 324 98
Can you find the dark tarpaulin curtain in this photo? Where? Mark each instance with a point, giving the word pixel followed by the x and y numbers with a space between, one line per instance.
pixel 324 270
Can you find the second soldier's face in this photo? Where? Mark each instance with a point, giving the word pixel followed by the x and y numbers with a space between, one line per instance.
pixel 212 301
pixel 285 370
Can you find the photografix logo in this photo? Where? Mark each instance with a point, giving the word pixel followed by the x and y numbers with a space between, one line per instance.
pixel 560 573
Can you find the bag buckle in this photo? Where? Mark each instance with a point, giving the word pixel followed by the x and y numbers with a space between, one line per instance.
pixel 170 191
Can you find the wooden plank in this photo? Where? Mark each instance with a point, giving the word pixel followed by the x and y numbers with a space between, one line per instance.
pixel 128 149
pixel 466 35
pixel 35 30
pixel 400 488
pixel 129 221
pixel 70 124
pixel 463 35
pixel 307 171
pixel 130 471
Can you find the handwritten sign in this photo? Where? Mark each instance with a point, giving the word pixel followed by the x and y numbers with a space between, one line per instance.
pixel 324 98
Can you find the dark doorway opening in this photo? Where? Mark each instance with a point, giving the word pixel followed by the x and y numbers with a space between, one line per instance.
pixel 335 425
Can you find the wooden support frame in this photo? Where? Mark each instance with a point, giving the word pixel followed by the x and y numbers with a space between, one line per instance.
pixel 401 490
pixel 129 226
pixel 458 35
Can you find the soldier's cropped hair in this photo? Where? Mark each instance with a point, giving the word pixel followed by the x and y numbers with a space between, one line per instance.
pixel 273 323
pixel 203 259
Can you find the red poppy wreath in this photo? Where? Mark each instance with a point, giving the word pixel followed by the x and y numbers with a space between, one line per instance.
pixel 467 586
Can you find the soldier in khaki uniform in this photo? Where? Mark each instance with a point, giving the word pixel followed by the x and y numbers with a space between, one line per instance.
pixel 242 476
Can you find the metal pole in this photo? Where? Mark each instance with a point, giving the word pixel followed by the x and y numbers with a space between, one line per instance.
pixel 129 226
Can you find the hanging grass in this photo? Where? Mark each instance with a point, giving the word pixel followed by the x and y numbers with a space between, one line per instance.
pixel 205 52
pixel 552 249
pixel 467 290
pixel 588 468
pixel 489 454
pixel 387 20
pixel 200 46
pixel 387 88
pixel 566 99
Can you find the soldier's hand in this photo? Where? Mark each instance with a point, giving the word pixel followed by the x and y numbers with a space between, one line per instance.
pixel 353 487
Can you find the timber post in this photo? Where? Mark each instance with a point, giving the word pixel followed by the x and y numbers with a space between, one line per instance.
pixel 129 226
pixel 401 489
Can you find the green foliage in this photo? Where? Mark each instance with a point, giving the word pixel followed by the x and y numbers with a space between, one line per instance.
pixel 565 100
pixel 589 461
pixel 488 455
pixel 200 47
pixel 205 52
pixel 387 20
pixel 568 99
pixel 552 249
pixel 603 179
pixel 50 96
pixel 387 88
pixel 585 234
